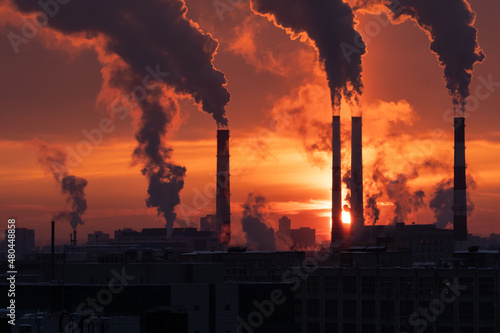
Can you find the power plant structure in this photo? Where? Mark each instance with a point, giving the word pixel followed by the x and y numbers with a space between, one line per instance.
pixel 459 183
pixel 356 198
pixel 223 193
pixel 338 233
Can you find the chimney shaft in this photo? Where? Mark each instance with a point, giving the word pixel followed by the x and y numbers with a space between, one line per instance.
pixel 74 237
pixel 459 190
pixel 223 208
pixel 337 228
pixel 357 218
pixel 52 252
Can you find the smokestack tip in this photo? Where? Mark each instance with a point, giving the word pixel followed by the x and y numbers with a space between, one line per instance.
pixel 222 126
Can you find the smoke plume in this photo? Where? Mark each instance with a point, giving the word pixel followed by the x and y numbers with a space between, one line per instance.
pixel 441 202
pixel 149 33
pixel 158 48
pixel 166 179
pixel 54 162
pixel 398 190
pixel 450 25
pixel 259 235
pixel 329 24
pixel 373 212
pixel 405 201
pixel 346 179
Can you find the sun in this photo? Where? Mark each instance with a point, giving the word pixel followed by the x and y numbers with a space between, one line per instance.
pixel 346 217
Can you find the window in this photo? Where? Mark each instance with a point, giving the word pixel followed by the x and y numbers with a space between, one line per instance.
pixel 466 311
pixel 486 286
pixel 312 308
pixel 406 286
pixel 386 286
pixel 331 309
pixel 227 307
pixel 313 327
pixel 468 282
pixel 387 309
pixel 350 309
pixel 331 327
pixel 486 311
pixel 426 286
pixel 368 285
pixel 368 310
pixel 313 285
pixel 331 285
pixel 349 285
pixel 298 308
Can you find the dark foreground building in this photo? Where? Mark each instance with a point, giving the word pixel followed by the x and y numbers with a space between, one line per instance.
pixel 372 290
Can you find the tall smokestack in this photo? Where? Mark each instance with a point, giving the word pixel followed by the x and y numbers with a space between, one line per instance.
pixel 52 252
pixel 337 231
pixel 357 218
pixel 459 192
pixel 223 208
pixel 74 237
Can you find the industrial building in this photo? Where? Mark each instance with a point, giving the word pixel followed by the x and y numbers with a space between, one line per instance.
pixel 380 279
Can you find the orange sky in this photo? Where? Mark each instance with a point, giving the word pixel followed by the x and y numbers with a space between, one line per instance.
pixel 50 94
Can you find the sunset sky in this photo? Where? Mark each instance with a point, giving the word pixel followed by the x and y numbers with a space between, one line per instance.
pixel 280 105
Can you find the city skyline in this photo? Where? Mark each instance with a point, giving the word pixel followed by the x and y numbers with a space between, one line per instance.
pixel 406 122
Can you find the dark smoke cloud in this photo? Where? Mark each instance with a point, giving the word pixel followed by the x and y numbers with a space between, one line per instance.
pixel 329 24
pixel 323 137
pixel 259 235
pixel 441 202
pixel 405 201
pixel 373 211
pixel 398 190
pixel 54 162
pixel 166 179
pixel 157 44
pixel 150 33
pixel 453 37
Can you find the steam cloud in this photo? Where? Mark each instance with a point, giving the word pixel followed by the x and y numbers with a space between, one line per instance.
pixel 144 34
pixel 329 24
pixel 442 201
pixel 397 189
pixel 259 235
pixel 54 161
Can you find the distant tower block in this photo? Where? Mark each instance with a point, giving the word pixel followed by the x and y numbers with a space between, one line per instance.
pixel 337 228
pixel 223 204
pixel 284 225
pixel 357 218
pixel 460 186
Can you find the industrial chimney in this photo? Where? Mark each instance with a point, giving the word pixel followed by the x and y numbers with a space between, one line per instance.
pixel 52 251
pixel 459 192
pixel 223 208
pixel 357 219
pixel 337 231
